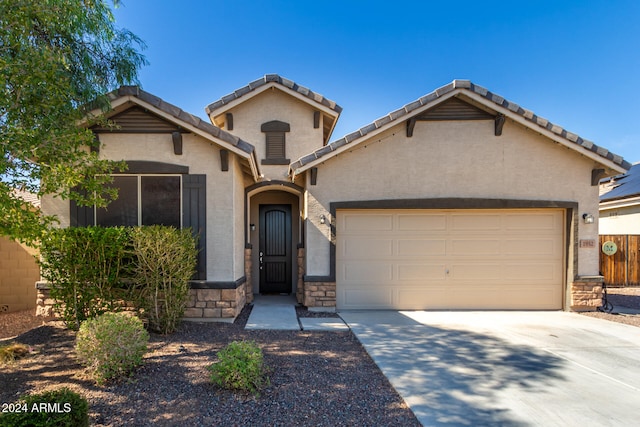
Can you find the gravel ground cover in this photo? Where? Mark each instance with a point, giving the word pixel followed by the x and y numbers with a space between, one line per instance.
pixel 317 379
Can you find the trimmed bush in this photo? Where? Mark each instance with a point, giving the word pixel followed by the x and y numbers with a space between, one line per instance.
pixel 60 408
pixel 165 260
pixel 111 345
pixel 240 367
pixel 84 267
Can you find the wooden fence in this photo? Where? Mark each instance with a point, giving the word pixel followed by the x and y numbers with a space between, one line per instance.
pixel 621 268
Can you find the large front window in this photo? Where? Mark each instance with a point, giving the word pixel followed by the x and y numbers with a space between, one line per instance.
pixel 143 200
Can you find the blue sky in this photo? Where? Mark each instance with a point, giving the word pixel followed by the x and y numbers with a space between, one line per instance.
pixel 572 62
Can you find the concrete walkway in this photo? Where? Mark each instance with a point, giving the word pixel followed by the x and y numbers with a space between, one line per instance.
pixel 506 368
pixel 278 312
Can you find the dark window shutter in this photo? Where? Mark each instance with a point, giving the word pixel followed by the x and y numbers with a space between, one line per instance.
pixel 194 215
pixel 275 145
pixel 80 216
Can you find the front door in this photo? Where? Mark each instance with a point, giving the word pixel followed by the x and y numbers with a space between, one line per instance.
pixel 275 249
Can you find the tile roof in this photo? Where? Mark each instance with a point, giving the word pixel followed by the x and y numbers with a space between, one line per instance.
pixel 273 78
pixel 622 186
pixel 28 197
pixel 405 112
pixel 182 115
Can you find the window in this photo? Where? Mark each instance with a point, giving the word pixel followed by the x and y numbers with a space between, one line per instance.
pixel 275 146
pixel 143 200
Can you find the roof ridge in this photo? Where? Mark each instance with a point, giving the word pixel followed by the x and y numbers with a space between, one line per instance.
pixel 273 78
pixel 477 89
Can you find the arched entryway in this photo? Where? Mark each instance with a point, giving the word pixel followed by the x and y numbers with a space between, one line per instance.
pixel 274 237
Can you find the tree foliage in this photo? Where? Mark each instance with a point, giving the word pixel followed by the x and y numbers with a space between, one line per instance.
pixel 58 60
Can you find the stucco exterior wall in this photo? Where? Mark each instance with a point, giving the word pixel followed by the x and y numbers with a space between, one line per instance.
pixel 18 274
pixel 461 159
pixel 276 105
pixel 224 246
pixel 623 220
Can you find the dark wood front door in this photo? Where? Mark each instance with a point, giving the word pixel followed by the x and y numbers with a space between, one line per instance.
pixel 275 249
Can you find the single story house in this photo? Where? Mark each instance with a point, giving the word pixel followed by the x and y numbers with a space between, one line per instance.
pixel 458 200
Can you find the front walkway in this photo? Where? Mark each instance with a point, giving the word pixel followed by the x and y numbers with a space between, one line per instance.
pixel 506 368
pixel 279 312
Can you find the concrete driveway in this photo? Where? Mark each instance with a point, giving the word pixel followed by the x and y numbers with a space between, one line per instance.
pixel 506 368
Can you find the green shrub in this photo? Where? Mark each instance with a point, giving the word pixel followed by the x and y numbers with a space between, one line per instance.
pixel 111 345
pixel 84 267
pixel 13 351
pixel 165 260
pixel 241 367
pixel 60 408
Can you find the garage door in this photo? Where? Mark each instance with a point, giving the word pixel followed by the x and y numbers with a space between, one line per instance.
pixel 453 259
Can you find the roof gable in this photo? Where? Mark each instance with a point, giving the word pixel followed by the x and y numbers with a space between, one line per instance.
pixel 138 120
pixel 135 108
pixel 330 110
pixel 477 95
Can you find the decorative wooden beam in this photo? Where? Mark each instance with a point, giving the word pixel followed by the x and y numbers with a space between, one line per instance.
pixel 314 176
pixel 229 119
pixel 224 160
pixel 596 174
pixel 316 119
pixel 177 142
pixel 411 123
pixel 499 124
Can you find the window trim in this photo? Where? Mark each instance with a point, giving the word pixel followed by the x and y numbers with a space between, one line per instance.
pixel 139 194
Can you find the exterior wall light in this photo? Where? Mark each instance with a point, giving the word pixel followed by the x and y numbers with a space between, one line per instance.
pixel 253 227
pixel 588 218
pixel 323 220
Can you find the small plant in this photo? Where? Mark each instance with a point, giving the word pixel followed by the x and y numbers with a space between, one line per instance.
pixel 111 345
pixel 240 366
pixel 165 260
pixel 62 407
pixel 12 352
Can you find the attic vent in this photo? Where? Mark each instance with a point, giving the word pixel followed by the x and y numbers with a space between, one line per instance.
pixel 275 146
pixel 138 120
pixel 455 109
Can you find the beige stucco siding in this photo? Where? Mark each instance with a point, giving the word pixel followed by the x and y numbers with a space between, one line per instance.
pixel 276 105
pixel 459 159
pixel 224 244
pixel 622 220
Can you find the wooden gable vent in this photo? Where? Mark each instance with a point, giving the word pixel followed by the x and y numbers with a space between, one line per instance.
pixel 455 109
pixel 138 120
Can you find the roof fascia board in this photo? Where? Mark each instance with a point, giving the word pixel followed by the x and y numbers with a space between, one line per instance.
pixel 546 132
pixel 255 92
pixel 250 157
pixel 620 203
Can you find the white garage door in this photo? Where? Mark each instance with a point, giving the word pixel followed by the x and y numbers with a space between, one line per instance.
pixel 453 259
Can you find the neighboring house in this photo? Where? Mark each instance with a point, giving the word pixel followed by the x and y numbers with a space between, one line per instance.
pixel 458 200
pixel 18 269
pixel 620 223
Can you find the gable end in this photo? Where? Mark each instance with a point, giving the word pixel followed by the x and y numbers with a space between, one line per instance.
pixel 138 120
pixel 455 109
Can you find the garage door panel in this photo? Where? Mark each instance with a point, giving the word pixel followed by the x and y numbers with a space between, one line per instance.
pixel 475 247
pixel 478 222
pixel 471 259
pixel 422 247
pixel 366 297
pixel 407 222
pixel 355 223
pixel 366 272
pixel 367 248
pixel 421 273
